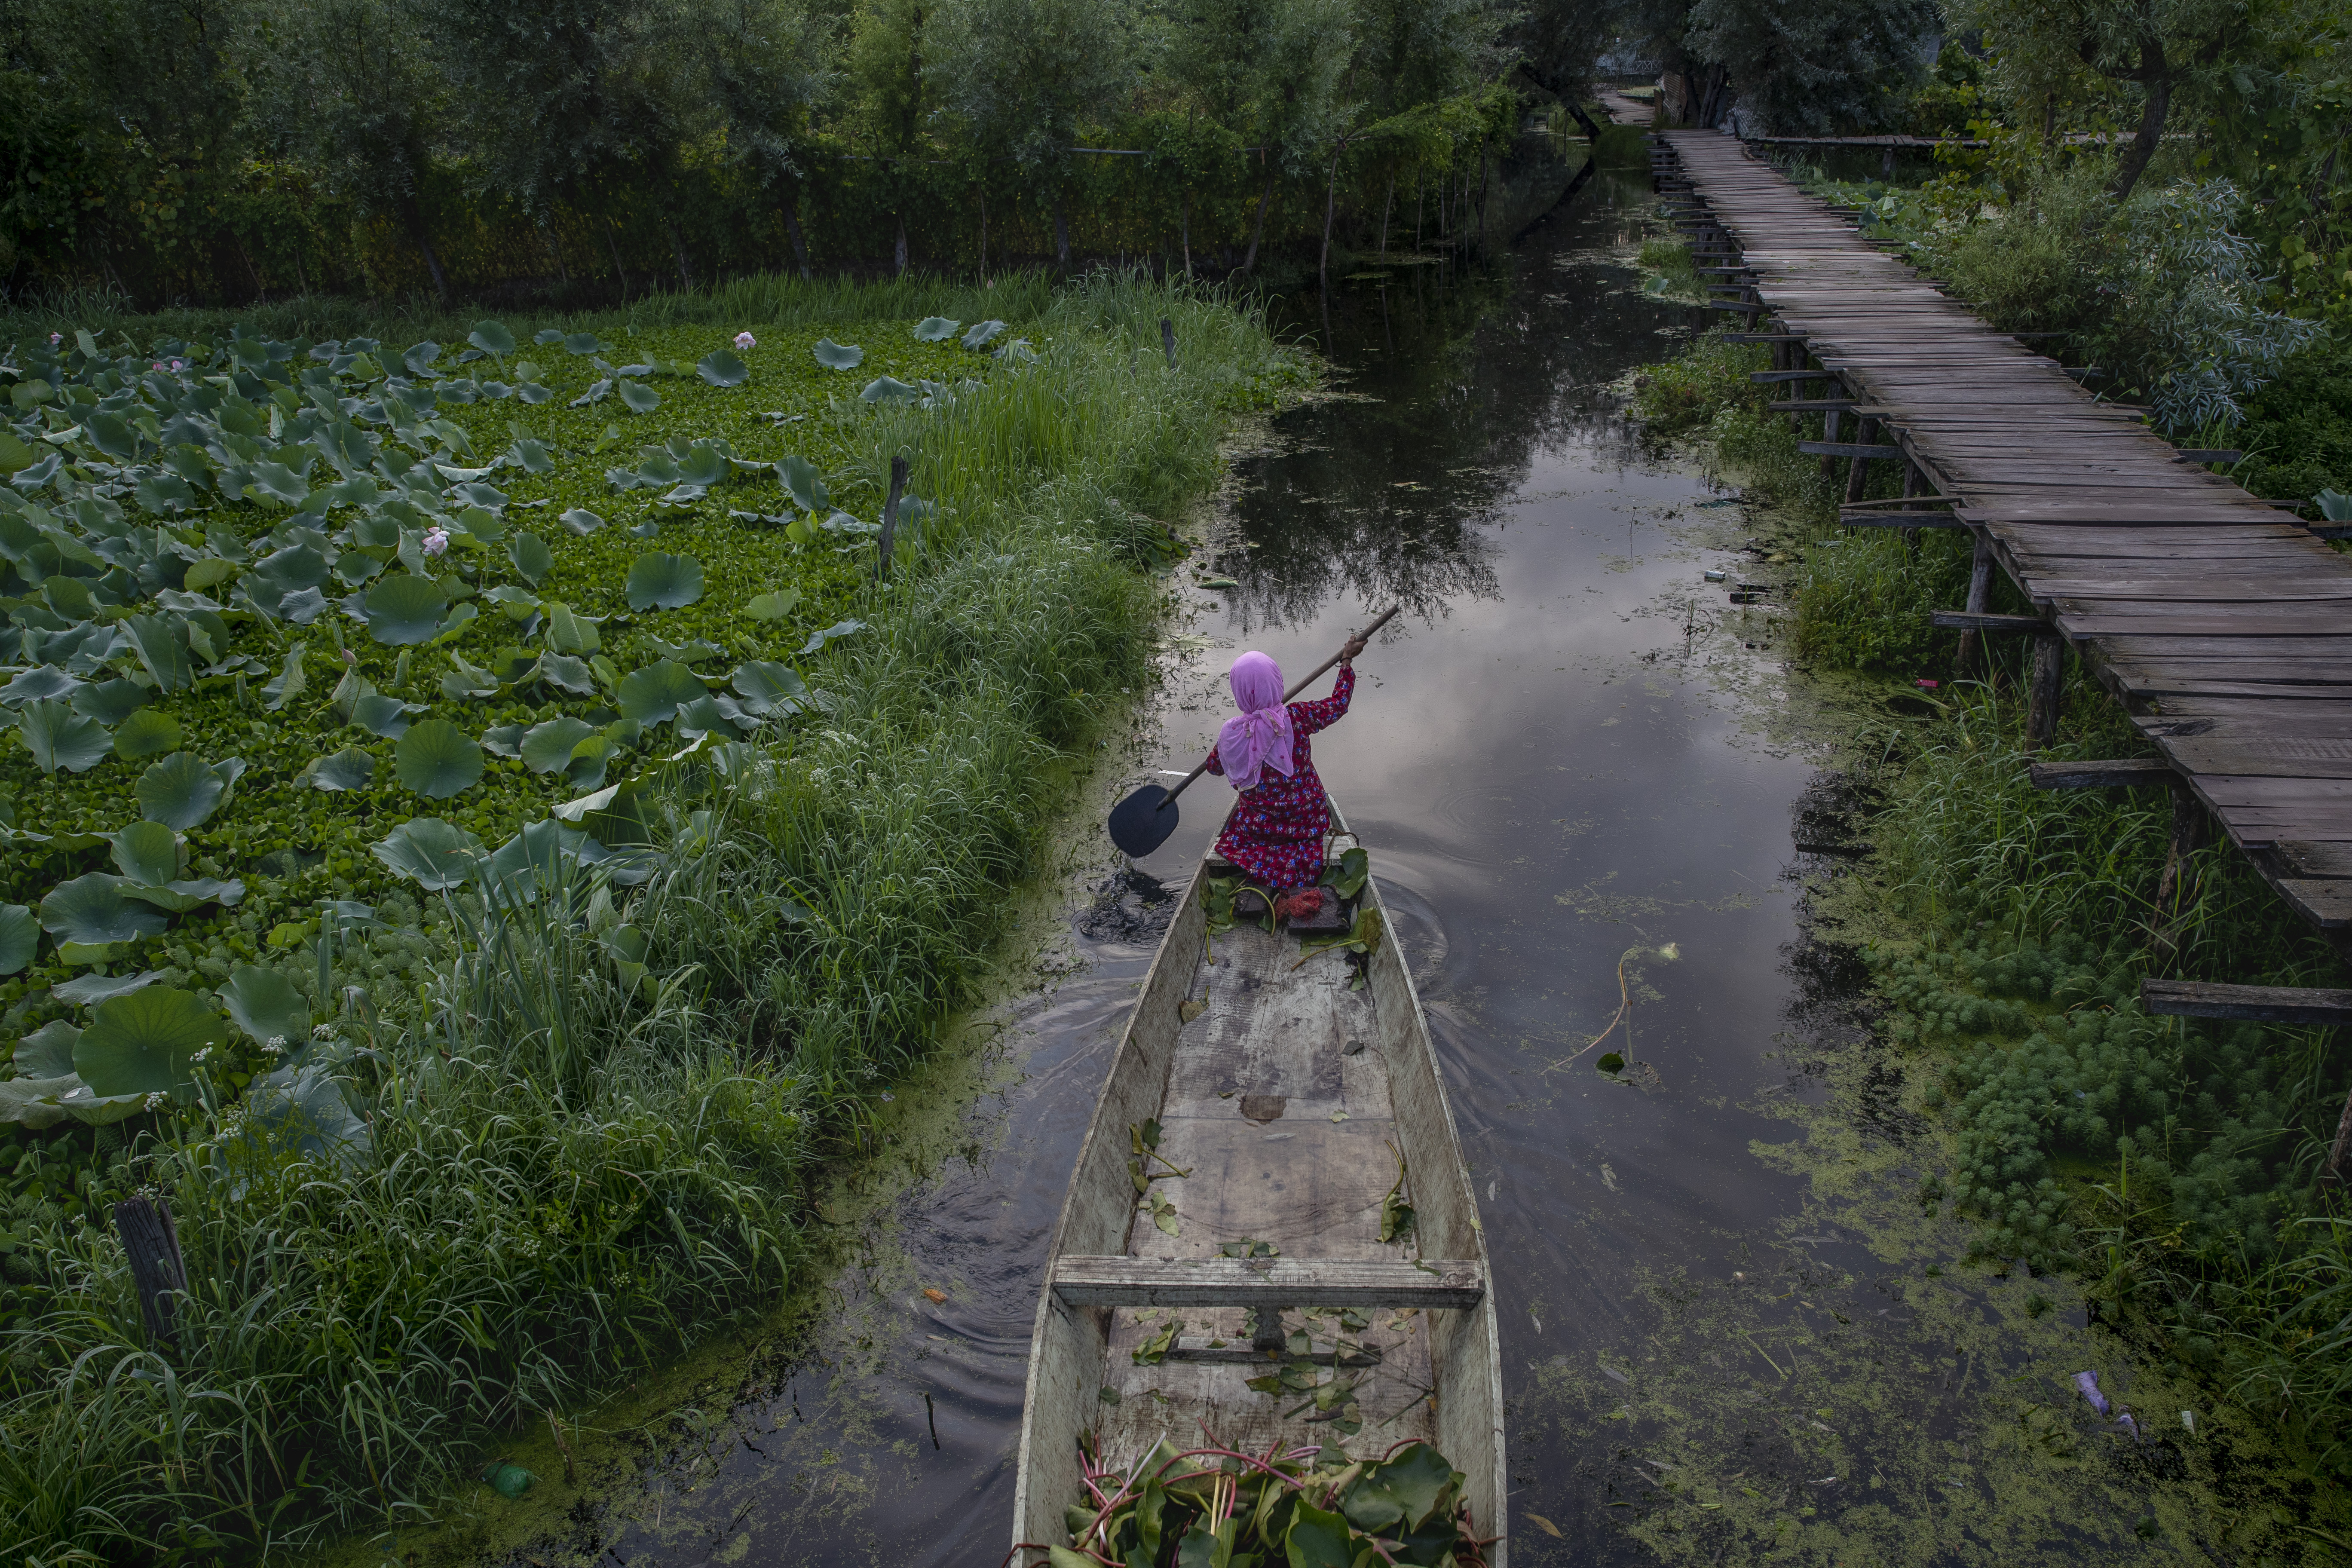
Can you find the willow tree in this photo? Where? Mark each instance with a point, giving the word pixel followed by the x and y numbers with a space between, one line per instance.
pixel 1828 65
pixel 773 63
pixel 351 89
pixel 581 103
pixel 898 95
pixel 1026 76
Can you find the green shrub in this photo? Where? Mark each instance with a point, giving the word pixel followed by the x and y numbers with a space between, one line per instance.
pixel 1863 600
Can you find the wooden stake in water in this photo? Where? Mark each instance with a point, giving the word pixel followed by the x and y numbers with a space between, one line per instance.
pixel 151 1244
pixel 890 517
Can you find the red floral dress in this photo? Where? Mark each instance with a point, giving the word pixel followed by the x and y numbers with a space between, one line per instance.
pixel 1278 826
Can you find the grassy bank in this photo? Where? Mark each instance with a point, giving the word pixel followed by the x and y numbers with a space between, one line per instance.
pixel 2171 1166
pixel 480 1131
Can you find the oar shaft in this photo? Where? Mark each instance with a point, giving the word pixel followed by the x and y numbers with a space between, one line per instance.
pixel 1309 679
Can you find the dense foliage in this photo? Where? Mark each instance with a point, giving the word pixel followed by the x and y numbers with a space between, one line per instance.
pixel 229 150
pixel 451 1134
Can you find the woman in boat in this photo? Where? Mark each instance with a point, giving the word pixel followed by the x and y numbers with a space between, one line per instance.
pixel 1276 831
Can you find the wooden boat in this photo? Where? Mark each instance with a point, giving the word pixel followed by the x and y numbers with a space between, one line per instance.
pixel 1303 1103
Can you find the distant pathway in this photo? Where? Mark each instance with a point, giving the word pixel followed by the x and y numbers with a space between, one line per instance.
pixel 1623 110
pixel 2222 624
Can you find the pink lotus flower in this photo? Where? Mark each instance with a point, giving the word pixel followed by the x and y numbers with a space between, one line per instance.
pixel 1926 685
pixel 746 341
pixel 348 657
pixel 55 339
pixel 436 541
pixel 157 365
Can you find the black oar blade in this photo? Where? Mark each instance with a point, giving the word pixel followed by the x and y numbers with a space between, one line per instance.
pixel 1142 822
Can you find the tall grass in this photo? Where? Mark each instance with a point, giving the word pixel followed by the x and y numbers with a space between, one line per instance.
pixel 575 1167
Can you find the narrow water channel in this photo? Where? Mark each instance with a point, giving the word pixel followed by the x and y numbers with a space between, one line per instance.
pixel 1731 1329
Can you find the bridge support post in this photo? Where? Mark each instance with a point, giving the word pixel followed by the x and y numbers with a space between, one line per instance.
pixel 2041 705
pixel 1980 589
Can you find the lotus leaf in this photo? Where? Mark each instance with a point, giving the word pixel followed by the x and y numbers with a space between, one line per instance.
pixel 653 695
pixel 503 741
pixel 60 738
pixel 839 356
pixel 684 652
pixel 163 493
pixel 838 629
pixel 641 398
pixel 802 483
pixel 935 329
pixel 772 606
pixel 437 759
pixel 435 854
pixel 182 790
pixel 111 702
pixel 570 632
pixel 265 1004
pixel 404 609
pixel 147 852
pixel 889 389
pixel 350 768
pixel 765 685
pixel 381 715
pixel 519 605
pixel 305 1109
pixel 48 1051
pixel 92 989
pixel 702 717
pixel 569 672
pixel 589 759
pixel 146 733
pixel 419 359
pixel 291 683
pixel 157 643
pixel 981 334
pixel 112 435
pixel 145 1042
pixel 492 338
pixel 703 465
pixel 532 557
pixel 36 1102
pixel 720 367
pixel 276 481
pixel 20 938
pixel 664 581
pixel 457 621
pixel 92 909
pixel 42 683
pixel 178 898
pixel 582 522
pixel 597 392
pixel 548 747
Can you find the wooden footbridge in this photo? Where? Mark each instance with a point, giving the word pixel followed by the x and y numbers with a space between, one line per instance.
pixel 2220 622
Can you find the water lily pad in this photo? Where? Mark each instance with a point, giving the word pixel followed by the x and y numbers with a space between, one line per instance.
pixel 93 910
pixel 433 854
pixel 663 581
pixel 802 483
pixel 889 389
pixel 641 398
pixel 532 557
pixel 146 733
pixel 720 367
pixel 146 1043
pixel 437 759
pixel 653 694
pixel 548 747
pixel 492 338
pixel 404 609
pixel 181 790
pixel 147 852
pixel 935 329
pixel 839 356
pixel 265 1004
pixel 60 738
pixel 20 937
pixel 350 768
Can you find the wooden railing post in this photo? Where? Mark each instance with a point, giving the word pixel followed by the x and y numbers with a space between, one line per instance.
pixel 152 1245
pixel 2041 707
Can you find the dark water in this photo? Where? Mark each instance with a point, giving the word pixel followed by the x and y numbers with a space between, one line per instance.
pixel 1725 1333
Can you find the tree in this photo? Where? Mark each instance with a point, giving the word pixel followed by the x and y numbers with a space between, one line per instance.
pixel 2157 51
pixel 582 102
pixel 773 62
pixel 1024 75
pixel 898 97
pixel 1818 67
pixel 352 92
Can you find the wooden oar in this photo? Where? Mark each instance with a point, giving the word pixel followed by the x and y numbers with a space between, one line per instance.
pixel 1142 822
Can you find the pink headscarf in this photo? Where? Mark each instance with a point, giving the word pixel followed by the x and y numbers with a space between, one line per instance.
pixel 1262 732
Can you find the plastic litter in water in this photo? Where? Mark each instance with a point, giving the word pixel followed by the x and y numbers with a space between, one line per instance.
pixel 508 1480
pixel 2088 1383
pixel 1715 577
